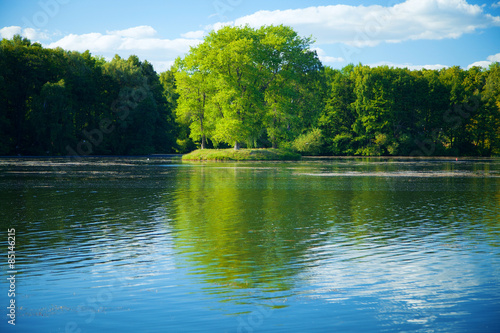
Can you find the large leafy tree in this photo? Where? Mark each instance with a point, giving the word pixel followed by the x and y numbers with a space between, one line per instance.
pixel 485 124
pixel 242 83
pixel 52 114
pixel 292 82
pixel 142 117
pixel 194 89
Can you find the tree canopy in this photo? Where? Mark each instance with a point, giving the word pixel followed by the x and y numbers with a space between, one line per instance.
pixel 244 87
pixel 56 102
pixel 395 111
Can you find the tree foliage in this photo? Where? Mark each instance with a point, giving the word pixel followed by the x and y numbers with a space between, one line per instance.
pixel 56 102
pixel 260 87
pixel 395 111
pixel 242 85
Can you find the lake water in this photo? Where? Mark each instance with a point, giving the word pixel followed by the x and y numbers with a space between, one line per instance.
pixel 157 245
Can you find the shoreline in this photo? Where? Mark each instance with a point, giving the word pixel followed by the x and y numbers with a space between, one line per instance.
pixel 320 157
pixel 243 154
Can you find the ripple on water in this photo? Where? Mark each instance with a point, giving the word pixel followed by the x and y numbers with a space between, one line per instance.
pixel 406 247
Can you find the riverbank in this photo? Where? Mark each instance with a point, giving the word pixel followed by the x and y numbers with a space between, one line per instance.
pixel 261 154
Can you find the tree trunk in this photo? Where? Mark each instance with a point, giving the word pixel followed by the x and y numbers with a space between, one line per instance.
pixel 273 139
pixel 236 145
pixel 203 141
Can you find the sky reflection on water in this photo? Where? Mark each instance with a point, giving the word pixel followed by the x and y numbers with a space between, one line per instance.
pixel 127 244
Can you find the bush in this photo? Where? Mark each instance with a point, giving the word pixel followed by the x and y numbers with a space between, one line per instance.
pixel 309 143
pixel 342 144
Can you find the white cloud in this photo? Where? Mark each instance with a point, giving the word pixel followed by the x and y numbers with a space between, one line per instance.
pixel 494 58
pixel 325 59
pixel 98 42
pixel 141 41
pixel 409 66
pixel 486 63
pixel 9 32
pixel 361 26
pixel 135 32
pixel 483 63
pixel 30 33
pixel 34 34
pixel 162 66
pixel 328 59
pixel 92 41
pixel 194 34
pixel 495 5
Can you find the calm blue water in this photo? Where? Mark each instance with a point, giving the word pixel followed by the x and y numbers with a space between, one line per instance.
pixel 156 245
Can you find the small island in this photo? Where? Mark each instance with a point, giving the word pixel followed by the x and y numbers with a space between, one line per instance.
pixel 261 154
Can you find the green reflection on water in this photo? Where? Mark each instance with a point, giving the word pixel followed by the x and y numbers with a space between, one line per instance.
pixel 243 228
pixel 247 225
pixel 360 234
pixel 258 226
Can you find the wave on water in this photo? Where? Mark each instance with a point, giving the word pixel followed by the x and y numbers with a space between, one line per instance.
pixel 412 174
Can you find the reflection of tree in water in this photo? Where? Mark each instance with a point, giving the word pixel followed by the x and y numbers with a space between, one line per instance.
pixel 255 227
pixel 262 228
pixel 244 227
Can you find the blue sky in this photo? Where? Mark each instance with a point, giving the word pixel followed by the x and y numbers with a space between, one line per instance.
pixel 411 33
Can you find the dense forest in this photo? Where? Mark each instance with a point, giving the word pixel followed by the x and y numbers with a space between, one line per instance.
pixel 241 87
pixel 56 102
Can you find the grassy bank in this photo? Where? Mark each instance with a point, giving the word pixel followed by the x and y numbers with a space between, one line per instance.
pixel 266 154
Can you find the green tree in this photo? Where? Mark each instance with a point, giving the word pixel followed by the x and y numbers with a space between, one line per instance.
pixel 374 107
pixel 486 125
pixel 229 56
pixel 184 143
pixel 143 120
pixel 242 83
pixel 338 116
pixel 6 140
pixel 52 115
pixel 291 76
pixel 195 89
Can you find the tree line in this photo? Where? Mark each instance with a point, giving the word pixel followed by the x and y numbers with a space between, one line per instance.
pixel 395 111
pixel 57 102
pixel 241 87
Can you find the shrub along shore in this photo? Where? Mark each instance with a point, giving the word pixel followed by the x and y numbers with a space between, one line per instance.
pixel 263 154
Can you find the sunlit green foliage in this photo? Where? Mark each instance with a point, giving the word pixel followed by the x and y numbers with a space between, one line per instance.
pixel 308 143
pixel 242 85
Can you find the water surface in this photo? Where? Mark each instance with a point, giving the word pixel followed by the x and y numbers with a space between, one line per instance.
pixel 128 244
